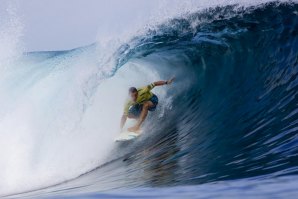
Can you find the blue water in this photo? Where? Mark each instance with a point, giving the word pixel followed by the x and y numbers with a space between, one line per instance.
pixel 227 128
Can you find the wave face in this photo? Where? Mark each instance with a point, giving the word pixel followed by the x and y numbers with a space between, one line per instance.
pixel 234 106
pixel 232 113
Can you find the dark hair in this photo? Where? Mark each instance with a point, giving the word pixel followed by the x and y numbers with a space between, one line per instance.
pixel 132 90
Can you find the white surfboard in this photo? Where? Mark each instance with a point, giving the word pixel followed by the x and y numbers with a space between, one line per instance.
pixel 126 136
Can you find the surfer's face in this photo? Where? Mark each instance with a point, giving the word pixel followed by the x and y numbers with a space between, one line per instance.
pixel 134 96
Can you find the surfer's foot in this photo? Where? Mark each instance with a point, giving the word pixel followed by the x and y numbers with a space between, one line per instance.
pixel 134 129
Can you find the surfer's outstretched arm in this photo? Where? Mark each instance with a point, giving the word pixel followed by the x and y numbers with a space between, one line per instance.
pixel 161 83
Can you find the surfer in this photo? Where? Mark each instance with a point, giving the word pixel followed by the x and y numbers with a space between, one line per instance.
pixel 141 101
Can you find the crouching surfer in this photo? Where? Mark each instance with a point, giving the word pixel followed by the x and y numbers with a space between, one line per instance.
pixel 141 101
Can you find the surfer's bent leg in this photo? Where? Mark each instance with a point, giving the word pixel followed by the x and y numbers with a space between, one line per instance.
pixel 146 106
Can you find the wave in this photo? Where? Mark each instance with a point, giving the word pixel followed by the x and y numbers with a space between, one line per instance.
pixel 231 114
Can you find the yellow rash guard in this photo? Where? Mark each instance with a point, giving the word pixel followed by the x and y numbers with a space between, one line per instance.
pixel 144 94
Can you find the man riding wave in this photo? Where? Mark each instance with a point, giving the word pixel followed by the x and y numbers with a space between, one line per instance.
pixel 141 101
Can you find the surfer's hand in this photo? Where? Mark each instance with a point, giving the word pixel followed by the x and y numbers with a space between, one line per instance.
pixel 171 80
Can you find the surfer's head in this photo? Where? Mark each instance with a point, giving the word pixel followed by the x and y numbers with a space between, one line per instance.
pixel 133 93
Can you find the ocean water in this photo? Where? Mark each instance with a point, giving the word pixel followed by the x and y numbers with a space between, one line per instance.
pixel 226 128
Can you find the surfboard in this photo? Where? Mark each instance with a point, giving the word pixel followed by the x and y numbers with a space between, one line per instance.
pixel 126 136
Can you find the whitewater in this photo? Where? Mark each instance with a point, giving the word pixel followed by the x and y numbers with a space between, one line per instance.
pixel 227 126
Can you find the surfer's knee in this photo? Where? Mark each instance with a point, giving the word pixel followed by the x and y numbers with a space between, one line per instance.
pixel 146 105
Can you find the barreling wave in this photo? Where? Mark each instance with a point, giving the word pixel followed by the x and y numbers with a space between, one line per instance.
pixel 231 114
pixel 234 107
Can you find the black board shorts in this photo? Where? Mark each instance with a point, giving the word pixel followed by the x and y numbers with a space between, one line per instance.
pixel 135 110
